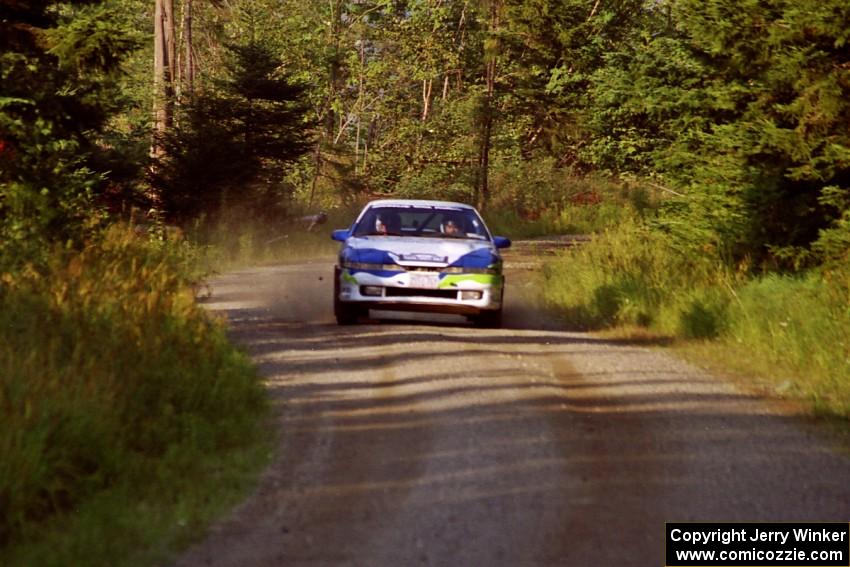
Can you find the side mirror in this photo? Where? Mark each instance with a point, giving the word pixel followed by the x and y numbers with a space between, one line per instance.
pixel 502 242
pixel 340 235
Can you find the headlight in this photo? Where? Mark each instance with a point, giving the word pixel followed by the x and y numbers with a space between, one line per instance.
pixel 373 267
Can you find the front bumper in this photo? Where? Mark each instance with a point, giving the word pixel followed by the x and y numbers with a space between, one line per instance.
pixel 421 290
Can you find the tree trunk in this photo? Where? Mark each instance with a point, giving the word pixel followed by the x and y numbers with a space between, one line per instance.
pixel 487 113
pixel 334 32
pixel 317 169
pixel 184 81
pixel 163 73
pixel 188 78
pixel 484 160
pixel 427 84
pixel 357 147
pixel 360 87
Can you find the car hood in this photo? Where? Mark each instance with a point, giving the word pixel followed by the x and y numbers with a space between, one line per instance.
pixel 405 250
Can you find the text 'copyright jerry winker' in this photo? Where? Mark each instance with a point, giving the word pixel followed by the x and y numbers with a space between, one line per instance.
pixel 757 544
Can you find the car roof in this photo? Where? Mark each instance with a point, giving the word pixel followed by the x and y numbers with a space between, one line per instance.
pixel 418 203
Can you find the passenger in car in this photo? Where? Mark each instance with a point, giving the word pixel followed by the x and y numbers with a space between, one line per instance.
pixel 388 223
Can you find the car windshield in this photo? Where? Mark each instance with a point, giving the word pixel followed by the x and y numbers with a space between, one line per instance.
pixel 420 221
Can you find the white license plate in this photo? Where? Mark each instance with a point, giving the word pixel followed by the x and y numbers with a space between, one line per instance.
pixel 424 280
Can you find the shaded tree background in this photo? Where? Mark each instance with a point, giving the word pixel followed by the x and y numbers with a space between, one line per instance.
pixel 58 89
pixel 234 141
pixel 734 112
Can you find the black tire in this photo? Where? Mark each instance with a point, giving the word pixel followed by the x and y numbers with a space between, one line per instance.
pixel 491 318
pixel 346 314
pixel 488 319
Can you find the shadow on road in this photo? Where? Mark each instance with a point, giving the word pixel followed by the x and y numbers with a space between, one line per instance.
pixel 428 442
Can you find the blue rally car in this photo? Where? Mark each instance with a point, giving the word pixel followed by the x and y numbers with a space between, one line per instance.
pixel 415 255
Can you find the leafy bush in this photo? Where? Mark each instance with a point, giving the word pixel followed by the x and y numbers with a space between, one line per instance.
pixel 59 67
pixel 631 275
pixel 436 182
pixel 703 314
pixel 534 198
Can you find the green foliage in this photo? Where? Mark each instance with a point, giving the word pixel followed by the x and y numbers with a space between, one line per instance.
pixel 93 42
pixel 800 327
pixel 742 108
pixel 57 73
pixel 833 243
pixel 704 315
pixel 110 370
pixel 631 275
pixel 649 95
pixel 552 50
pixel 736 108
pixel 437 182
pixel 535 198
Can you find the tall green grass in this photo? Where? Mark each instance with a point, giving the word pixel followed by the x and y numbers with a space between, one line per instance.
pixel 631 276
pixel 792 330
pixel 799 328
pixel 120 400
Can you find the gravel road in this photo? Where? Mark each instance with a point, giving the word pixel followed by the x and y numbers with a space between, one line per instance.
pixel 419 440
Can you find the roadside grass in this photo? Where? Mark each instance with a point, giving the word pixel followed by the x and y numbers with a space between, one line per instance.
pixel 630 277
pixel 771 378
pixel 790 333
pixel 127 420
pixel 238 240
pixel 797 329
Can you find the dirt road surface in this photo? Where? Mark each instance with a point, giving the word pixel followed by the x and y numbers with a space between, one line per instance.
pixel 423 441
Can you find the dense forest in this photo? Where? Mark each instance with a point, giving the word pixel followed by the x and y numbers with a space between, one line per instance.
pixel 735 111
pixel 706 143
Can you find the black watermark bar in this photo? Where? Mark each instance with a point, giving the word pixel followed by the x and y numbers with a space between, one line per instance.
pixel 757 544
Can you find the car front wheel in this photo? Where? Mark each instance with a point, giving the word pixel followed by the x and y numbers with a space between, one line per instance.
pixel 488 319
pixel 346 314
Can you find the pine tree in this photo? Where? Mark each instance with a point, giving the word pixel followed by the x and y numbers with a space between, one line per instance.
pixel 233 144
pixel 57 70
